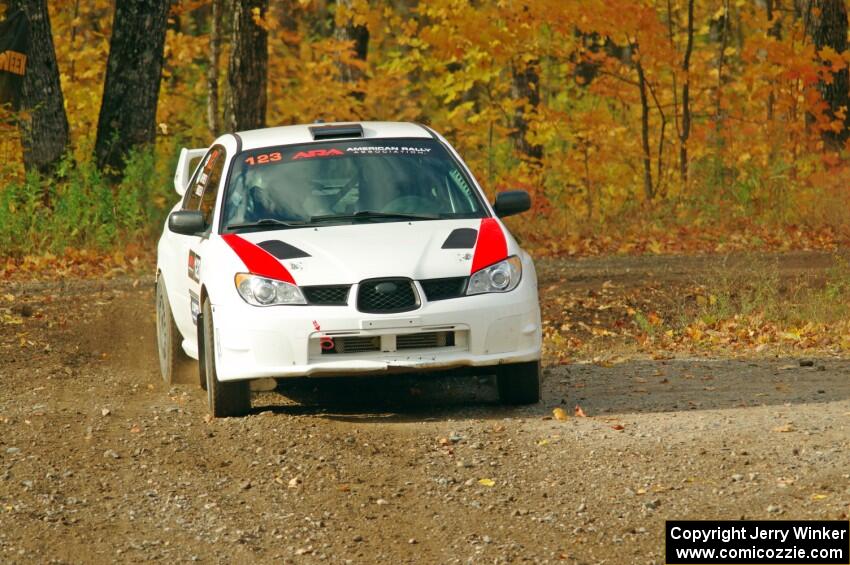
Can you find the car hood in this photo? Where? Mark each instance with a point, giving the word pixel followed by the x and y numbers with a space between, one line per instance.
pixel 346 254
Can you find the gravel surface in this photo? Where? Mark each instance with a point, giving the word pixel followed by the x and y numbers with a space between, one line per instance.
pixel 100 462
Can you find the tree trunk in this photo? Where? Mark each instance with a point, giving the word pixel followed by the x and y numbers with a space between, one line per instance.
pixel 359 35
pixel 130 92
pixel 213 114
pixel 248 67
pixel 648 187
pixel 686 92
pixel 774 31
pixel 526 88
pixel 828 28
pixel 44 131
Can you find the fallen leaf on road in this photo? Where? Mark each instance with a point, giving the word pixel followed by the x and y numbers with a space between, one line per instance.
pixel 579 412
pixel 818 496
pixel 784 429
pixel 618 427
pixel 487 482
pixel 560 414
pixel 135 429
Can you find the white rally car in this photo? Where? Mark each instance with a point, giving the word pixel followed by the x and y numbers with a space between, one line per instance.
pixel 341 249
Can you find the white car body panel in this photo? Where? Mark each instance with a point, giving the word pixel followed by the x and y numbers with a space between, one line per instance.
pixel 285 340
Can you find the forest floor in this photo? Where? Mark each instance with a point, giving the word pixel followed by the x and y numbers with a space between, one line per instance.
pixel 100 462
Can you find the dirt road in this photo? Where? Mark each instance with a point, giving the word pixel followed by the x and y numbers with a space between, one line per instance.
pixel 99 462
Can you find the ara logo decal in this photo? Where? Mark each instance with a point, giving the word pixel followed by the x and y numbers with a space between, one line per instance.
pixel 194 266
pixel 317 153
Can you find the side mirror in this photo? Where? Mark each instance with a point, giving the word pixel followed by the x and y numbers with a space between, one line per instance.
pixel 512 202
pixel 187 222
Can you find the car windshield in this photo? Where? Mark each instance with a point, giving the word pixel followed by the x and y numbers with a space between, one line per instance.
pixel 347 182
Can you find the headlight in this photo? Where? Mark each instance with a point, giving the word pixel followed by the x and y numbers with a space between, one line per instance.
pixel 501 277
pixel 261 291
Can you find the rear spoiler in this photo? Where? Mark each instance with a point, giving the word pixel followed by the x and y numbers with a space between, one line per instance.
pixel 185 167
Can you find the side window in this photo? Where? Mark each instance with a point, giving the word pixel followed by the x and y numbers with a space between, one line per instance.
pixel 192 198
pixel 211 190
pixel 203 187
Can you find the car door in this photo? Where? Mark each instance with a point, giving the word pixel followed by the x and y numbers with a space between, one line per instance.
pixel 184 280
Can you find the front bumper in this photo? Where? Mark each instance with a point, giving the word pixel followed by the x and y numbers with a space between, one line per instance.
pixel 286 341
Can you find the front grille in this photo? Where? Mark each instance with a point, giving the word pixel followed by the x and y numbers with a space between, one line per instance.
pixel 332 295
pixel 425 340
pixel 441 289
pixel 384 296
pixel 353 344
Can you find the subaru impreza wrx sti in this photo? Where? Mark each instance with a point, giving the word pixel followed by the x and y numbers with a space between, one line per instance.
pixel 341 249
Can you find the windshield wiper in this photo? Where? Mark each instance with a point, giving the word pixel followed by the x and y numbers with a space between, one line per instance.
pixel 369 214
pixel 266 222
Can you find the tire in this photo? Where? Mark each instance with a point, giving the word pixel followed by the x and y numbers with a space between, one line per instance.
pixel 225 399
pixel 202 373
pixel 519 383
pixel 174 364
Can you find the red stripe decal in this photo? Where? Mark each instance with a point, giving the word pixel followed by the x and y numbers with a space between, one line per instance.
pixel 256 259
pixel 491 246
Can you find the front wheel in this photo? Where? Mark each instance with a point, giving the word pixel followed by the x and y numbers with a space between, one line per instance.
pixel 225 399
pixel 519 383
pixel 174 364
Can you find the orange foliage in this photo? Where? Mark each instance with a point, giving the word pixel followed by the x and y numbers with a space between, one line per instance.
pixel 756 161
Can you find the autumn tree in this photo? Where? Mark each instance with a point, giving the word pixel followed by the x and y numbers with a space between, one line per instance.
pixel 248 66
pixel 828 30
pixel 355 33
pixel 133 71
pixel 43 124
pixel 213 113
pixel 526 90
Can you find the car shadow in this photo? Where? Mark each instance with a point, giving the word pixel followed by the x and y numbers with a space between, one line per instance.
pixel 624 388
pixel 390 398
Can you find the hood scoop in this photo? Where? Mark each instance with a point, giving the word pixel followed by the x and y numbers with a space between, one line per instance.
pixel 281 250
pixel 461 238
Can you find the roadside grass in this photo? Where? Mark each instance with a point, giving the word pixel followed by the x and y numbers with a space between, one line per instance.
pixel 79 209
pixel 737 306
pixel 759 292
pixel 755 308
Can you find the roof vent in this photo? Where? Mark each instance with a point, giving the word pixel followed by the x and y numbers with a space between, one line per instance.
pixel 336 131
